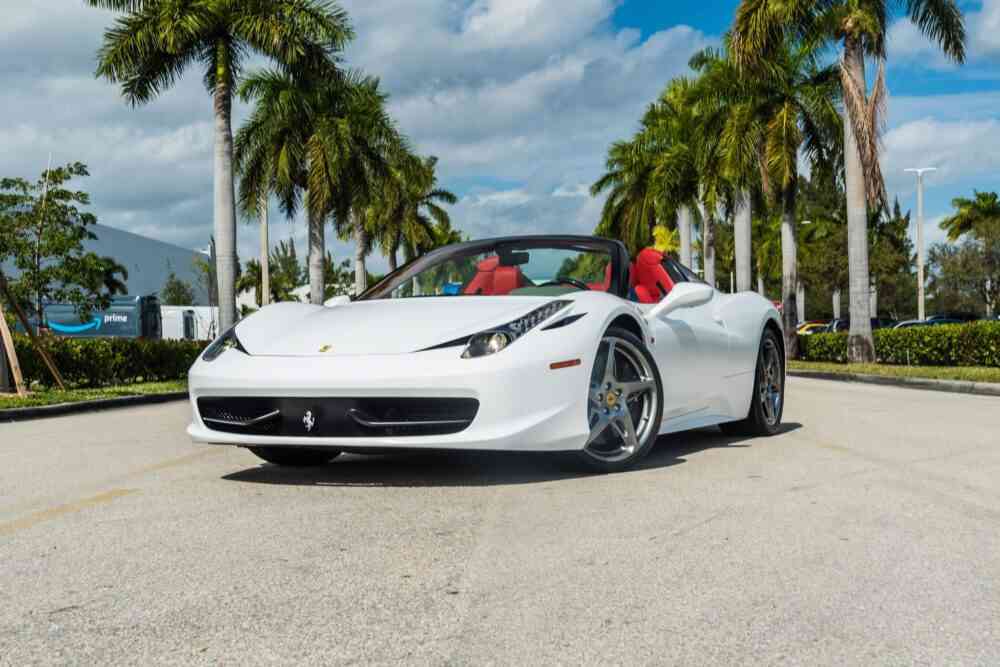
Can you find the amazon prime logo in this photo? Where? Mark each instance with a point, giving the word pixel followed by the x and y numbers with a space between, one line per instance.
pixel 308 421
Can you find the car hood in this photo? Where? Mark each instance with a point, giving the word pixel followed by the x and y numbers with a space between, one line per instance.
pixel 384 326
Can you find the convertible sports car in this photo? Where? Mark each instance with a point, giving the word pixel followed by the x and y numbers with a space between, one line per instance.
pixel 537 343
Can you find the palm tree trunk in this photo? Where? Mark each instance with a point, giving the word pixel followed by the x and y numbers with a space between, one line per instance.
pixel 317 254
pixel 707 246
pixel 265 256
pixel 224 214
pixel 760 285
pixel 360 243
pixel 684 230
pixel 789 273
pixel 393 260
pixel 741 234
pixel 860 346
pixel 836 304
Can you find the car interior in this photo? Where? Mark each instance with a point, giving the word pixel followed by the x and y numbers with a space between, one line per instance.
pixel 651 277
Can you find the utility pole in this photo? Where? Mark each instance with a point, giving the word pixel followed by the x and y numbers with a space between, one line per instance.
pixel 921 315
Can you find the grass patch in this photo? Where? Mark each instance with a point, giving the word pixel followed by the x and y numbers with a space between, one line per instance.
pixel 54 396
pixel 964 373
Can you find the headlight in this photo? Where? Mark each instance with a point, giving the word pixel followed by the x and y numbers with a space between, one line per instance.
pixel 492 341
pixel 224 342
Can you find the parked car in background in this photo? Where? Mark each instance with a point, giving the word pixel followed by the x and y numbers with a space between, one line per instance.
pixel 814 326
pixel 836 326
pixel 908 324
pixel 954 317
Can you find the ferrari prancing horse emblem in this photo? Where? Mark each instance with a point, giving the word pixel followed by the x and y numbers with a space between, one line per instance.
pixel 308 421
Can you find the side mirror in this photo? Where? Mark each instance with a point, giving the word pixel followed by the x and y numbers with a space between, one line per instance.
pixel 683 295
pixel 341 300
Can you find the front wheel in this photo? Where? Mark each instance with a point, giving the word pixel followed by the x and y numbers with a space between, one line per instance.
pixel 295 456
pixel 767 403
pixel 624 406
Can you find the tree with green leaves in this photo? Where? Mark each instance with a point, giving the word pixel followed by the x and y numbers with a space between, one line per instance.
pixel 176 292
pixel 286 275
pixel 153 42
pixel 652 179
pixel 410 205
pixel 629 212
pixel 761 30
pixel 774 113
pixel 318 141
pixel 892 263
pixel 972 216
pixel 976 221
pixel 42 231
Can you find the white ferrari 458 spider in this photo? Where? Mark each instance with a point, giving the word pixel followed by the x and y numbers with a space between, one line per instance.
pixel 537 343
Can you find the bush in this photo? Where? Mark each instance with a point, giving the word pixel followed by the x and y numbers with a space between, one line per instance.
pixel 973 344
pixel 98 362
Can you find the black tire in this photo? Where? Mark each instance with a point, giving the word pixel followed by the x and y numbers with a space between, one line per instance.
pixel 758 422
pixel 300 457
pixel 650 411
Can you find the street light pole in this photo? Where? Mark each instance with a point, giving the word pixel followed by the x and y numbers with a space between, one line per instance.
pixel 920 237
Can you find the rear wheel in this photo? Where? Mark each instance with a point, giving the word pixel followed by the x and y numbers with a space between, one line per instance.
pixel 295 456
pixel 624 405
pixel 767 403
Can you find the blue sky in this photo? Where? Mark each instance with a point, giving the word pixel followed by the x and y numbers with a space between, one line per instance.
pixel 519 99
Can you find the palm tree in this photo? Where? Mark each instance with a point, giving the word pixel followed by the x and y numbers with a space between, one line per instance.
pixel 723 87
pixel 972 214
pixel 780 111
pixel 672 125
pixel 629 211
pixel 154 41
pixel 762 28
pixel 652 179
pixel 408 209
pixel 355 148
pixel 319 139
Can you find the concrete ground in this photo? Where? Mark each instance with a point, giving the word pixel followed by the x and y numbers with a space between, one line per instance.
pixel 867 533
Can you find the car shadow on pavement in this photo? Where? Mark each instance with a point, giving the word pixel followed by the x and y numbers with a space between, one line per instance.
pixel 464 469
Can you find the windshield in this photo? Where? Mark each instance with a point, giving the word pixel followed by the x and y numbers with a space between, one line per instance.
pixel 529 267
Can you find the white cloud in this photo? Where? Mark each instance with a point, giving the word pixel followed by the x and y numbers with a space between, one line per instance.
pixel 961 150
pixel 578 190
pixel 527 93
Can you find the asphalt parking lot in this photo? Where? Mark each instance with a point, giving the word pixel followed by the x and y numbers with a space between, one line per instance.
pixel 866 533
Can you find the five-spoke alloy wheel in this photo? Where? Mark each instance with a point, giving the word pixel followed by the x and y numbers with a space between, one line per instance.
pixel 624 404
pixel 768 399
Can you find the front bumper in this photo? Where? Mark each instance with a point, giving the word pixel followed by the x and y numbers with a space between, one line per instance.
pixel 524 405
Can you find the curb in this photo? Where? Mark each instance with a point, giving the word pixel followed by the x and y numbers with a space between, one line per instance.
pixel 951 386
pixel 42 411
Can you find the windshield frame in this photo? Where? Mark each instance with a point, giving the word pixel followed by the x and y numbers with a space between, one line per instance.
pixel 615 249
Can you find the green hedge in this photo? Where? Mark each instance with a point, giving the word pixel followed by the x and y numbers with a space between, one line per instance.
pixel 98 362
pixel 973 344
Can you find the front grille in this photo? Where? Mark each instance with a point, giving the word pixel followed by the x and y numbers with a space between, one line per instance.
pixel 337 417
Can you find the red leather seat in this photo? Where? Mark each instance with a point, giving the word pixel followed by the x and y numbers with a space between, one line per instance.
pixel 482 282
pixel 491 279
pixel 506 279
pixel 652 282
